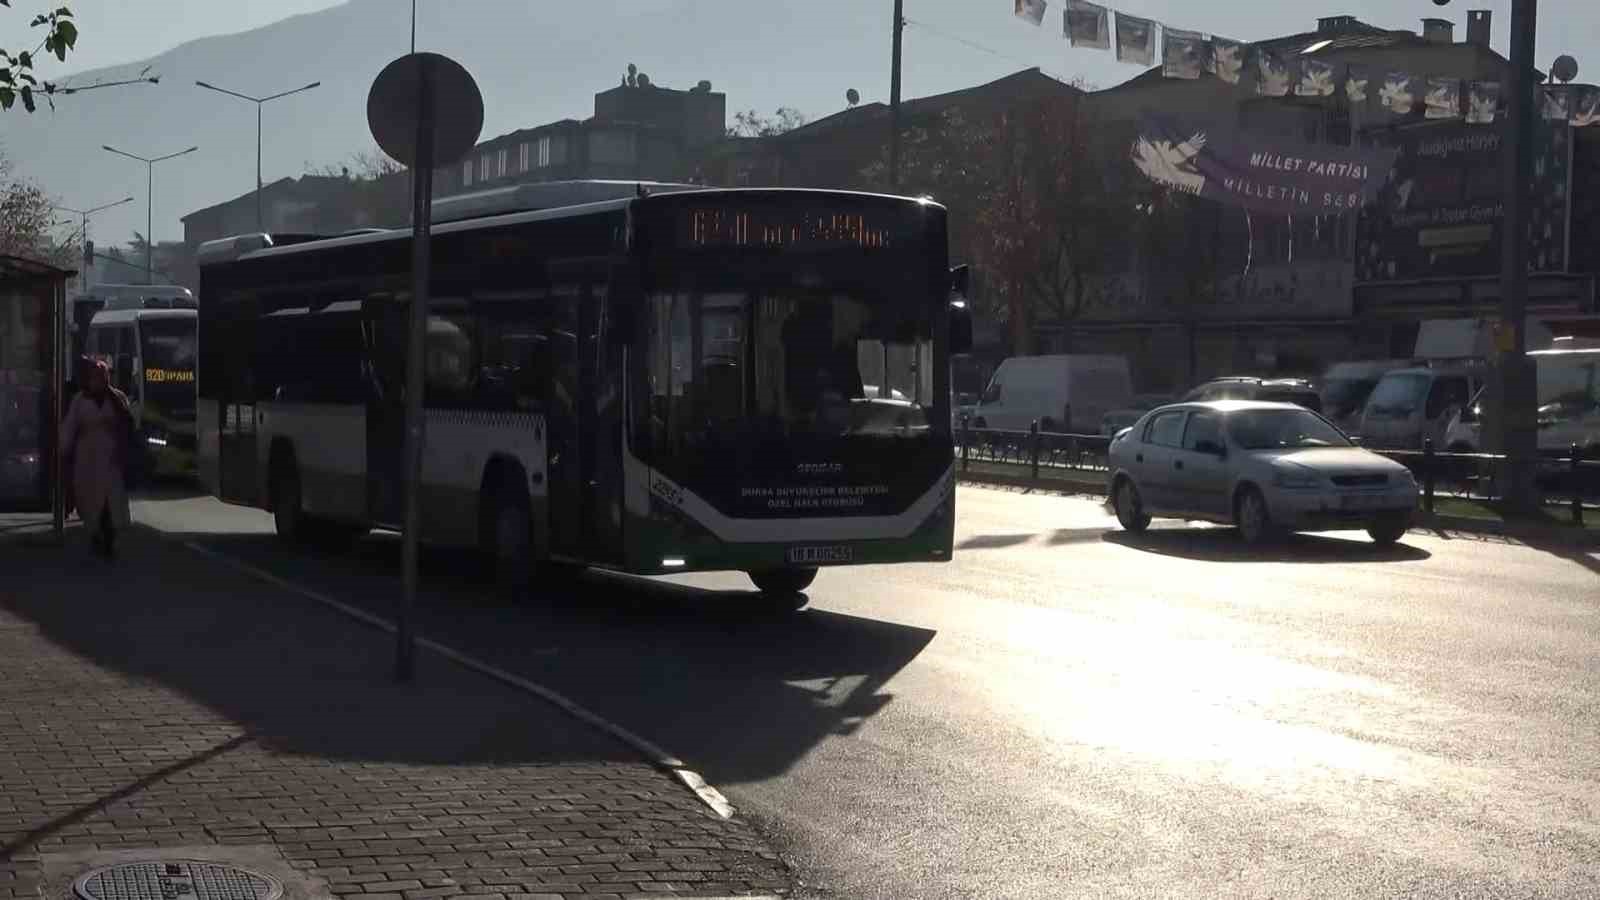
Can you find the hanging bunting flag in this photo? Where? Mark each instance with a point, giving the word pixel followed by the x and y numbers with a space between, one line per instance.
pixel 1483 102
pixel 1356 82
pixel 1270 174
pixel 1136 40
pixel 1444 98
pixel 1586 106
pixel 1087 25
pixel 1316 79
pixel 1227 59
pixel 1555 104
pixel 1183 53
pixel 1399 93
pixel 1272 74
pixel 1032 10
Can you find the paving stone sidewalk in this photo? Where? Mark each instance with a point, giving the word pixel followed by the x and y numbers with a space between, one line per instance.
pixel 166 701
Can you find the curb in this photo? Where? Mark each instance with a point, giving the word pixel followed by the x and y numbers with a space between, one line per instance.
pixel 657 757
pixel 1570 537
pixel 1052 485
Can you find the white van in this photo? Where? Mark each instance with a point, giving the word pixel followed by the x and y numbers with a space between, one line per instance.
pixel 1569 405
pixel 1066 393
pixel 1346 386
pixel 1410 405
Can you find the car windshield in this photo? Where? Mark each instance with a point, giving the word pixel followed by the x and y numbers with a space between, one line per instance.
pixel 1342 396
pixel 1399 395
pixel 1275 429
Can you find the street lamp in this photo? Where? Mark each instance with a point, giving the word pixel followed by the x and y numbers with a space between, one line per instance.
pixel 88 262
pixel 150 200
pixel 258 101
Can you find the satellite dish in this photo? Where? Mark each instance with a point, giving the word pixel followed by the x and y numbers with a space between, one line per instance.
pixel 852 97
pixel 457 108
pixel 1565 68
pixel 704 86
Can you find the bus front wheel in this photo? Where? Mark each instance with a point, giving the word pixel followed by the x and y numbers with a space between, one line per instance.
pixel 785 584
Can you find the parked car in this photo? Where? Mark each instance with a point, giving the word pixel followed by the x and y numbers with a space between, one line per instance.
pixel 1118 419
pixel 1249 387
pixel 1062 393
pixel 1346 386
pixel 1414 404
pixel 1263 467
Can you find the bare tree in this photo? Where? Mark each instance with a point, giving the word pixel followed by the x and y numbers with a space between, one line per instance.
pixel 753 124
pixel 27 221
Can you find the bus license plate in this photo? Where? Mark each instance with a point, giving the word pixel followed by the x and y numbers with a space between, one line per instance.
pixel 813 555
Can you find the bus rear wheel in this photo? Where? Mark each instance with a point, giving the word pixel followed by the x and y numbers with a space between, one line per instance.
pixel 287 518
pixel 507 544
pixel 785 585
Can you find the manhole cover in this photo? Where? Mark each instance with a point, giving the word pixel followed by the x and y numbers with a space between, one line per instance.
pixel 177 880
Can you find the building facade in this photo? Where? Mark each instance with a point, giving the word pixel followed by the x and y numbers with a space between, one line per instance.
pixel 639 131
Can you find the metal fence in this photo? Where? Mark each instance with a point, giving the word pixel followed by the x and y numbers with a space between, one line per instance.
pixel 1569 484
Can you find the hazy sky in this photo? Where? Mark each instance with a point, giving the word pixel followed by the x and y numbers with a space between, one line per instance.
pixel 540 60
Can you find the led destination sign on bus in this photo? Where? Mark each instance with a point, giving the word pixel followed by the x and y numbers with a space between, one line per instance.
pixel 786 229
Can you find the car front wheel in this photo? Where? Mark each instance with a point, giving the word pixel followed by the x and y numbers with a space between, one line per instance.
pixel 1386 531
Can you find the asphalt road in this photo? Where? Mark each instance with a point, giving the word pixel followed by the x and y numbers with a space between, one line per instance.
pixel 1065 711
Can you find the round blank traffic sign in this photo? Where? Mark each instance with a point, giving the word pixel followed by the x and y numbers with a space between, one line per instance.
pixel 457 108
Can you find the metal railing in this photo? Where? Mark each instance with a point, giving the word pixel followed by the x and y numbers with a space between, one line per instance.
pixel 1569 481
pixel 1569 484
pixel 1047 452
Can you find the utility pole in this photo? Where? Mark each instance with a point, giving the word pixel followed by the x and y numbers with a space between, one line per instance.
pixel 259 102
pixel 894 97
pixel 150 201
pixel 1518 397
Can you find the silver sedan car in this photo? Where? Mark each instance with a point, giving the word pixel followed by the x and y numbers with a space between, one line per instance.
pixel 1264 467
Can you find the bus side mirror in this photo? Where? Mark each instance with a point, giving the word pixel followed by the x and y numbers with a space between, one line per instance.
pixel 960 328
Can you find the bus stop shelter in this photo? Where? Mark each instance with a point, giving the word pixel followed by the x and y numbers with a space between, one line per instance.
pixel 32 380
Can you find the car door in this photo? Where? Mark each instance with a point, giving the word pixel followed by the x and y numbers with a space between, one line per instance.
pixel 1201 474
pixel 1154 461
pixel 1447 396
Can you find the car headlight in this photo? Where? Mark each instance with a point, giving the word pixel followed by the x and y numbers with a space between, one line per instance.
pixel 1293 476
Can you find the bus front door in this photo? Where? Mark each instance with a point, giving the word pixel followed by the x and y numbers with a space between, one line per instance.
pixel 564 427
pixel 386 328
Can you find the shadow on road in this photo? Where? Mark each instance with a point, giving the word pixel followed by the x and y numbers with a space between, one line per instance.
pixel 713 675
pixel 297 678
pixel 994 541
pixel 1224 545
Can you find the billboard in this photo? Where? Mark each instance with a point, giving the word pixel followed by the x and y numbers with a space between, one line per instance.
pixel 1440 213
pixel 1262 173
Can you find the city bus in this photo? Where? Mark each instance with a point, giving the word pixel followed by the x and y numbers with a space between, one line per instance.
pixel 83 306
pixel 748 380
pixel 153 355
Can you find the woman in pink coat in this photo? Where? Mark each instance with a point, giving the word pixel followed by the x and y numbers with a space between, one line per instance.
pixel 94 437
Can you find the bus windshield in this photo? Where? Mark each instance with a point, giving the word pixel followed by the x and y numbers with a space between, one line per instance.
pixel 168 352
pixel 778 382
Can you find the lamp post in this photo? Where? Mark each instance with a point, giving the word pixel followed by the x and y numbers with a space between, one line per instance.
pixel 150 200
pixel 258 101
pixel 88 260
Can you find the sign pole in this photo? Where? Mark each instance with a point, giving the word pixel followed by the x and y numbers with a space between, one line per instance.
pixel 421 198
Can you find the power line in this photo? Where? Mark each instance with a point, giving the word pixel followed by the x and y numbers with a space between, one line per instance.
pixel 981 48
